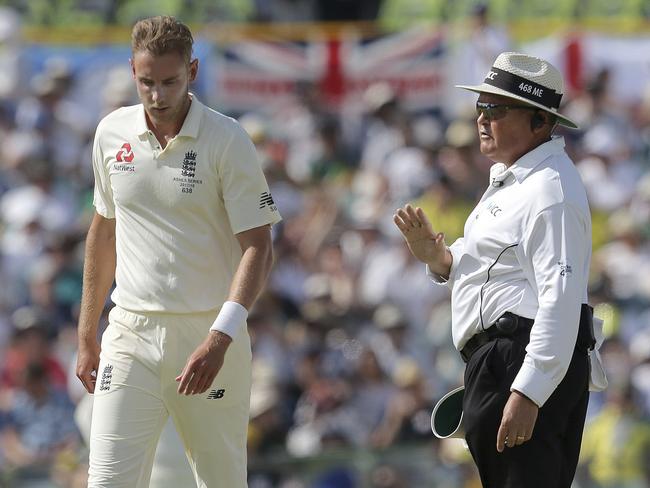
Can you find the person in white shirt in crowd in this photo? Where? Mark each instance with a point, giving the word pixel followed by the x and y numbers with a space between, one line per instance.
pixel 518 279
pixel 610 170
pixel 483 40
pixel 182 223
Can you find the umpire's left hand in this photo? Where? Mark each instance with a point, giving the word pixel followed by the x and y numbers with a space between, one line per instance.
pixel 517 422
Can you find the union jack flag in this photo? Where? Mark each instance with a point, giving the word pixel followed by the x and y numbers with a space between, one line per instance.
pixel 258 74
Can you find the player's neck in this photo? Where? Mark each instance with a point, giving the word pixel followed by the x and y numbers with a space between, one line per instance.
pixel 166 131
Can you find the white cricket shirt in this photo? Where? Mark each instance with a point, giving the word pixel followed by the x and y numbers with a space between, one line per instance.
pixel 526 249
pixel 177 210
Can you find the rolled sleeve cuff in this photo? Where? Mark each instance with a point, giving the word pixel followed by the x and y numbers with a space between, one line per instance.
pixel 435 277
pixel 534 384
pixel 441 280
pixel 103 210
pixel 455 259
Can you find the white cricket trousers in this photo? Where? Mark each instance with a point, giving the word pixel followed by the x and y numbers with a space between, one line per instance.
pixel 136 391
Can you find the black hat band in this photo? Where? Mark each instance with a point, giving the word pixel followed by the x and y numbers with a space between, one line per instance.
pixel 524 88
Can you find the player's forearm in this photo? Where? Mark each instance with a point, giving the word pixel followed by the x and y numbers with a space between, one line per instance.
pixel 251 275
pixel 99 273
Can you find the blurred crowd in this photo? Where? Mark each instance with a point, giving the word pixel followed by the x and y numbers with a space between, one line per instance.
pixel 351 341
pixel 389 13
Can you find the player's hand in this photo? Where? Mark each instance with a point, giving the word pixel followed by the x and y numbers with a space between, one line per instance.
pixel 203 365
pixel 426 245
pixel 88 363
pixel 517 422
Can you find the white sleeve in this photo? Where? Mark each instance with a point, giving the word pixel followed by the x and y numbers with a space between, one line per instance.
pixel 246 195
pixel 556 255
pixel 103 193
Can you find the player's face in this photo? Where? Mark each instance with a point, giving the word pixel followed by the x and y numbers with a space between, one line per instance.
pixel 163 85
pixel 507 136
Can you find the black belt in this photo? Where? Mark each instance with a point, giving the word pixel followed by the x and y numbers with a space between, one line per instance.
pixel 514 326
pixel 508 325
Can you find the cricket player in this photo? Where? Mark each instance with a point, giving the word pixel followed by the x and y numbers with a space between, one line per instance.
pixel 182 224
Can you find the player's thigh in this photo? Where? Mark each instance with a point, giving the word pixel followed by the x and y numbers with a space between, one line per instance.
pixel 170 466
pixel 215 443
pixel 213 425
pixel 125 428
pixel 128 412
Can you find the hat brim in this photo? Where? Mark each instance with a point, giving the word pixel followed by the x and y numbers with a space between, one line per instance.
pixel 485 88
pixel 447 415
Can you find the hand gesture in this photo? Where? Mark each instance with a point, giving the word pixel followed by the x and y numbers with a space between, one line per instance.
pixel 426 245
pixel 203 365
pixel 88 363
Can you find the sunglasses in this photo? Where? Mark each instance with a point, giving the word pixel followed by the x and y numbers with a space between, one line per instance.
pixel 496 111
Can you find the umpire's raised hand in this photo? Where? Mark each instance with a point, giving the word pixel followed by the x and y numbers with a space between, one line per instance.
pixel 426 245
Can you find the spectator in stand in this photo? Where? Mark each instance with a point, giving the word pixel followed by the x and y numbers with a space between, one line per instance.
pixel 482 42
pixel 616 444
pixel 609 171
pixel 38 426
pixel 31 344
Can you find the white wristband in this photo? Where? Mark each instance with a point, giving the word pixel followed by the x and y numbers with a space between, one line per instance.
pixel 231 319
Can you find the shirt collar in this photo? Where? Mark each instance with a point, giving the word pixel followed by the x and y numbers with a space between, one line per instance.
pixel 141 122
pixel 525 164
pixel 190 126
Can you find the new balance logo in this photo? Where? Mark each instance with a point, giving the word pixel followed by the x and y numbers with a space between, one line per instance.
pixel 216 394
pixel 266 200
pixel 107 376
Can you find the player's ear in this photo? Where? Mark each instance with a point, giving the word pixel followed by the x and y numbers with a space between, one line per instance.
pixel 194 69
pixel 132 67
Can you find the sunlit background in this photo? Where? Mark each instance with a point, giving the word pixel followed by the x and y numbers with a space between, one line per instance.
pixel 352 108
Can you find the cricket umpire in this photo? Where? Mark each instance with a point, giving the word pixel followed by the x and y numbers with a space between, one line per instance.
pixel 518 280
pixel 182 223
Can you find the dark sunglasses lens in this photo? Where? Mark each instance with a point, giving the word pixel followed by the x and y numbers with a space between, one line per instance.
pixel 491 112
pixel 486 112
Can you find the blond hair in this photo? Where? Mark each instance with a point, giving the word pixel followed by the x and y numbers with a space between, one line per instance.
pixel 161 35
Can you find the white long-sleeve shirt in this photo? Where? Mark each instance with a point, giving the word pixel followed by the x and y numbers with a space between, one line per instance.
pixel 526 249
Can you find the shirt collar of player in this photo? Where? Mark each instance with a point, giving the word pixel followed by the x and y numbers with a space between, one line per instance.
pixel 191 123
pixel 190 126
pixel 529 161
pixel 527 79
pixel 141 128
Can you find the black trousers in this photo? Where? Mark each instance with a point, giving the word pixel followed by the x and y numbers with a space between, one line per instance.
pixel 550 457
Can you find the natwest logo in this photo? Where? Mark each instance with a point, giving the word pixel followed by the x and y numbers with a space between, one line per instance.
pixel 125 154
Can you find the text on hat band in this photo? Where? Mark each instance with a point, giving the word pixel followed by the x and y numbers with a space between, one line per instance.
pixel 522 87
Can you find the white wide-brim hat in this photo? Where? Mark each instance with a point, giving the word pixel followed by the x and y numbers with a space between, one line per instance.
pixel 528 79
